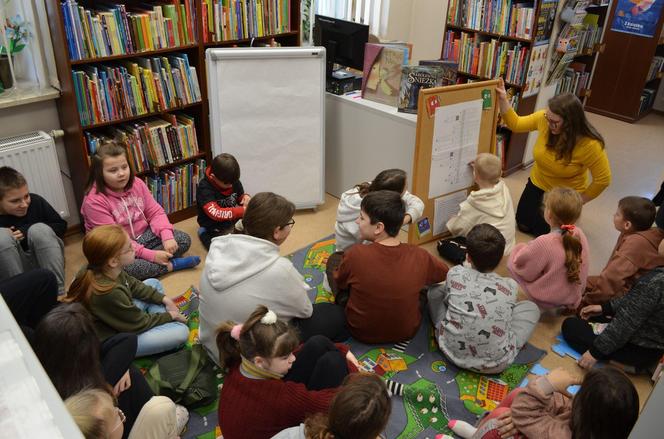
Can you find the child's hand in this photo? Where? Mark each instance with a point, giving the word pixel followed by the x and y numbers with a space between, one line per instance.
pixel 178 316
pixel 123 384
pixel 170 245
pixel 162 257
pixel 407 219
pixel 16 233
pixel 352 359
pixel 245 200
pixel 590 311
pixel 505 426
pixel 561 379
pixel 587 361
pixel 500 89
pixel 169 304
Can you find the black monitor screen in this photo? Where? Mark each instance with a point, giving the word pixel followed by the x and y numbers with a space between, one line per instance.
pixel 343 40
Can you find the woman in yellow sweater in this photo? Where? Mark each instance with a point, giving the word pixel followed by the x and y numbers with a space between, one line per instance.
pixel 567 147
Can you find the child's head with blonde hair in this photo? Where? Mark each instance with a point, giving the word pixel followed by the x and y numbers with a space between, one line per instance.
pixel 95 414
pixel 562 209
pixel 488 168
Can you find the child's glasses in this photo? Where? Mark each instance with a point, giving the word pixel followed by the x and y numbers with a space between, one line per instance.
pixel 289 223
pixel 122 419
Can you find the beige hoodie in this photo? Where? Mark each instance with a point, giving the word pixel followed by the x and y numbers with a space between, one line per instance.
pixel 491 206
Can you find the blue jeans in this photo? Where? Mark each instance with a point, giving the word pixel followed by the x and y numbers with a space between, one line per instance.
pixel 162 338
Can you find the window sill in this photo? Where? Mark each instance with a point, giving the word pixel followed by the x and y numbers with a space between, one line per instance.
pixel 27 95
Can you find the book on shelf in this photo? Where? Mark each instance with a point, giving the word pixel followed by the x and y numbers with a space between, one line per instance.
pixel 175 188
pixel 545 20
pixel 488 58
pixel 656 66
pixel 647 99
pixel 495 16
pixel 151 143
pixel 225 20
pixel 109 29
pixel 574 79
pixel 536 66
pixel 381 76
pixel 450 69
pixel 413 79
pixel 127 88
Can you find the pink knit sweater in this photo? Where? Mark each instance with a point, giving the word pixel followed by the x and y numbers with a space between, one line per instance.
pixel 539 267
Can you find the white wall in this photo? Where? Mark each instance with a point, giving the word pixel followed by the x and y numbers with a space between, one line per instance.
pixel 40 116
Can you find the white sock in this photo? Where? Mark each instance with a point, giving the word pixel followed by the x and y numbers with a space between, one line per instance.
pixel 462 428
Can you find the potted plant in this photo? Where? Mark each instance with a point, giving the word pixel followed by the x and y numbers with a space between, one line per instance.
pixel 17 34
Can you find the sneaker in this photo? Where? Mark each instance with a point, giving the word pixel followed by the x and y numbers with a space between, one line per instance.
pixel 181 418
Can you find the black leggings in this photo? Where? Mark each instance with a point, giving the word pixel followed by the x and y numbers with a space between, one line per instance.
pixel 580 336
pixel 327 319
pixel 318 365
pixel 530 211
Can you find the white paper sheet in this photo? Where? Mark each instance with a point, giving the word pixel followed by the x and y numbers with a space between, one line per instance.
pixel 456 133
pixel 444 209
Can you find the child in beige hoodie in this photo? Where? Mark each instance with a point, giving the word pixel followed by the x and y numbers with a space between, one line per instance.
pixel 490 204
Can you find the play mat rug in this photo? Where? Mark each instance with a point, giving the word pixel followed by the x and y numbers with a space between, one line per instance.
pixel 434 390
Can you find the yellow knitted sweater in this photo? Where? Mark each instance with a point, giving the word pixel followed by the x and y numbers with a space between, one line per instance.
pixel 547 172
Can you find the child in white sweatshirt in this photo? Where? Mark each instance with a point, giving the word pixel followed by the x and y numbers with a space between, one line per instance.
pixel 491 204
pixel 346 231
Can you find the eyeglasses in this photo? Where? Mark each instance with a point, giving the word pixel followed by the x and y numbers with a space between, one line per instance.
pixel 289 223
pixel 122 417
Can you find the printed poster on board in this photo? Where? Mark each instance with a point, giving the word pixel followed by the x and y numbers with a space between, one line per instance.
pixel 637 17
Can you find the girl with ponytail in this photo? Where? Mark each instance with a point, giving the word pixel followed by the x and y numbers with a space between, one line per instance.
pixel 119 302
pixel 553 268
pixel 270 383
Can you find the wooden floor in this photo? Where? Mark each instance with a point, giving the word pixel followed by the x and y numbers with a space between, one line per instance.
pixel 636 156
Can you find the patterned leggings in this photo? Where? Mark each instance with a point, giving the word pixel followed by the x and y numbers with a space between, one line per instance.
pixel 142 269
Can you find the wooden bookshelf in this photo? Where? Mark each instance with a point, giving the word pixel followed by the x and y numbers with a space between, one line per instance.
pixel 515 143
pixel 621 72
pixel 74 139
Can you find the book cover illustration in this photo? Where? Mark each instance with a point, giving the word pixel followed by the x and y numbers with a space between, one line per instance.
pixel 535 69
pixel 450 69
pixel 637 17
pixel 413 79
pixel 381 77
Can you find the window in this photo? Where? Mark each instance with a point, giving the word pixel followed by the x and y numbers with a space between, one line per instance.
pixel 371 12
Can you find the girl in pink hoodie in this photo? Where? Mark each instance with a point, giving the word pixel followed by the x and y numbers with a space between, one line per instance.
pixel 553 268
pixel 114 196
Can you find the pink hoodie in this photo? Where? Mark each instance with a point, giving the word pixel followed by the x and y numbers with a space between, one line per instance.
pixel 135 210
pixel 539 267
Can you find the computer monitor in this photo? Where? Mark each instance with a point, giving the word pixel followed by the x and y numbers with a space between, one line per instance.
pixel 343 41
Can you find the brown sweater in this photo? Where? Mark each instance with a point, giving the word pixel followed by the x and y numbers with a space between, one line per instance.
pixel 634 255
pixel 541 413
pixel 385 284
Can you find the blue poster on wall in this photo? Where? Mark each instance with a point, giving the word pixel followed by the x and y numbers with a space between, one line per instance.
pixel 638 17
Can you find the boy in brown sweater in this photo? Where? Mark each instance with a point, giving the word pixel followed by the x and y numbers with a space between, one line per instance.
pixel 635 252
pixel 385 278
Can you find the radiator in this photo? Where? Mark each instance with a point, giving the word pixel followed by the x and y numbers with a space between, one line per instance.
pixel 34 156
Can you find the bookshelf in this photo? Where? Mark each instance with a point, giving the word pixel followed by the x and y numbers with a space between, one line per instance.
pixel 166 129
pixel 628 72
pixel 507 38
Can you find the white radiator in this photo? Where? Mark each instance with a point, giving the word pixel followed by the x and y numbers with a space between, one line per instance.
pixel 34 156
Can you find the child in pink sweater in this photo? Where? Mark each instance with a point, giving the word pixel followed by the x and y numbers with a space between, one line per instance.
pixel 606 407
pixel 553 268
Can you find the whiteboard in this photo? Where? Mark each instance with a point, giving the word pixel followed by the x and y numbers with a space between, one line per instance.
pixel 267 108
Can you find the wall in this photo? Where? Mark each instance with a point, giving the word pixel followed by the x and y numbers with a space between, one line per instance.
pixel 40 116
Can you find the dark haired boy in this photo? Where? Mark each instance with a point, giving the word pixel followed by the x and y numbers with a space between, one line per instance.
pixel 479 324
pixel 31 231
pixel 220 198
pixel 384 278
pixel 635 252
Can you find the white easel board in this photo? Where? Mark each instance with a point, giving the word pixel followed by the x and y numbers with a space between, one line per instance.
pixel 267 108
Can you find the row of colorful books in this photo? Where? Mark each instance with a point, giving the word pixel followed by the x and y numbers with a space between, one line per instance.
pixel 118 29
pixel 134 87
pixel 656 66
pixel 486 58
pixel 225 20
pixel 152 142
pixel 497 16
pixel 574 80
pixel 175 189
pixel 588 37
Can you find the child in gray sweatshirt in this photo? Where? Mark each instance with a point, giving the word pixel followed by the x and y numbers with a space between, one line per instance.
pixel 479 324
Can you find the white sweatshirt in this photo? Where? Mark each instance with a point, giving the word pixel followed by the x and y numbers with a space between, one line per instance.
pixel 491 206
pixel 347 232
pixel 242 272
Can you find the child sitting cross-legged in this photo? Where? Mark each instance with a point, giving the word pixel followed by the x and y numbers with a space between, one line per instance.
pixel 360 410
pixel 383 280
pixel 270 383
pixel 605 407
pixel 553 268
pixel 220 198
pixel 635 252
pixel 119 302
pixel 479 324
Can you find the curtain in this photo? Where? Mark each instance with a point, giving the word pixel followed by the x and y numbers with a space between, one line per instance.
pixel 371 12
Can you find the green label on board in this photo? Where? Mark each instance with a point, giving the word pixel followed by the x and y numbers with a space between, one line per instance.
pixel 486 99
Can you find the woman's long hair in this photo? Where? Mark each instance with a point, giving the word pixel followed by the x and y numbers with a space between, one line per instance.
pixel 575 125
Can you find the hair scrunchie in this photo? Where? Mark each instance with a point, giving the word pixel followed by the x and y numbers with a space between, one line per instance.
pixel 270 318
pixel 236 331
pixel 567 228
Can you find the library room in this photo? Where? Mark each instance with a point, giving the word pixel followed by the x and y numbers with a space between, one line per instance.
pixel 196 196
